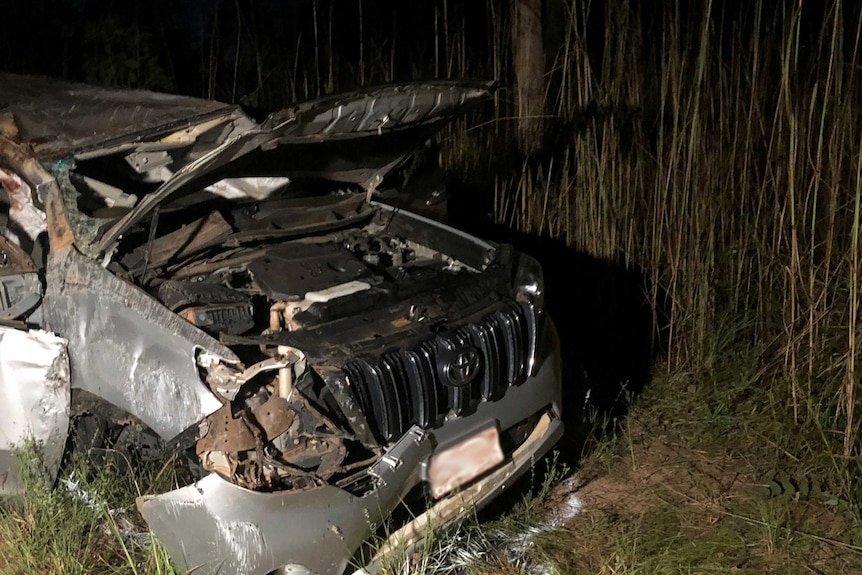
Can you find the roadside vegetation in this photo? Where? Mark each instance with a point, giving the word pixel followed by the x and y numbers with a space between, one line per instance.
pixel 717 151
pixel 86 524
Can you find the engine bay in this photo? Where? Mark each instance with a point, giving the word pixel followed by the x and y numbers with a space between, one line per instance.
pixel 298 303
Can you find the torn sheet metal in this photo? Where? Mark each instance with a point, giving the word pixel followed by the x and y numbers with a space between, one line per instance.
pixel 34 395
pixel 19 294
pixel 20 288
pixel 127 348
pixel 196 235
pixel 59 118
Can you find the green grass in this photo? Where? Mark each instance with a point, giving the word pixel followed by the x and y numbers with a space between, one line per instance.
pixel 85 525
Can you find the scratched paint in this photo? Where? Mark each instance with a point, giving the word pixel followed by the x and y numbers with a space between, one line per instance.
pixel 244 543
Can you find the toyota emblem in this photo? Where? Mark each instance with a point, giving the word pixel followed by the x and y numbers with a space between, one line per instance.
pixel 463 367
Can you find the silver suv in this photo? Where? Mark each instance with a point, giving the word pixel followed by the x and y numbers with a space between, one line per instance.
pixel 257 296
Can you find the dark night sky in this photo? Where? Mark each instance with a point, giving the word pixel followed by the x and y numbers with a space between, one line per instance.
pixel 190 46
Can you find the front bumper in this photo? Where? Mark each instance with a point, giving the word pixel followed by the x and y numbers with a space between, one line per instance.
pixel 214 526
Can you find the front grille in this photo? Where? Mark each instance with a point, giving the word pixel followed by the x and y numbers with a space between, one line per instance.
pixel 424 384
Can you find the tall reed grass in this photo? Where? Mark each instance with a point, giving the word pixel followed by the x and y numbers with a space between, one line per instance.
pixel 720 150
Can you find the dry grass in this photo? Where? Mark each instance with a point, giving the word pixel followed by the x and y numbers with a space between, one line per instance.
pixel 85 525
pixel 719 150
pixel 680 493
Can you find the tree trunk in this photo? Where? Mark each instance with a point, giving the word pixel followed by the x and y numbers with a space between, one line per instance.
pixel 529 62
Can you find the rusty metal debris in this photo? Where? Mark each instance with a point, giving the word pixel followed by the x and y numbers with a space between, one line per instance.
pixel 20 288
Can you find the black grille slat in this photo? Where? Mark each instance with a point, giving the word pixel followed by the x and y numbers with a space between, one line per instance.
pixel 395 404
pixel 504 324
pixel 409 400
pixel 496 354
pixel 490 384
pixel 368 388
pixel 404 387
pixel 424 394
pixel 520 348
pixel 427 367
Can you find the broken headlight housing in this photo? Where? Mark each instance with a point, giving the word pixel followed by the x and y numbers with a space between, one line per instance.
pixel 529 282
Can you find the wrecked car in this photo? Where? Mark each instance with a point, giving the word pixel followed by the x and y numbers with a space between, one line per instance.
pixel 255 294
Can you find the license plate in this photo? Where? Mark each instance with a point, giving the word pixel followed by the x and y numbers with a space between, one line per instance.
pixel 464 462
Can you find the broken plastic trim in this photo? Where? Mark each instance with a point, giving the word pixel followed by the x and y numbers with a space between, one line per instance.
pixel 411 536
pixel 225 379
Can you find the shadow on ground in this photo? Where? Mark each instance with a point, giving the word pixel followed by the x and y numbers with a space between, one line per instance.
pixel 609 333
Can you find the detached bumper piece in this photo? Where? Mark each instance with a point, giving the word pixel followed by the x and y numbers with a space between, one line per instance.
pixel 545 434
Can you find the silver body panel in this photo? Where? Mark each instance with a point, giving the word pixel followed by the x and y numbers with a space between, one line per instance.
pixel 34 395
pixel 127 348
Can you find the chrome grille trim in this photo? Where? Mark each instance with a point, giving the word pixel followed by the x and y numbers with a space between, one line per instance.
pixel 405 387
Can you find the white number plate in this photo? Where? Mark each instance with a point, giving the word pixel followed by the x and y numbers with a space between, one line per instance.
pixel 460 464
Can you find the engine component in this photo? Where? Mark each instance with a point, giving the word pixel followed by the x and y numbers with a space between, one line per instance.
pixel 212 307
pixel 268 442
pixel 291 270
pixel 281 313
pixel 268 436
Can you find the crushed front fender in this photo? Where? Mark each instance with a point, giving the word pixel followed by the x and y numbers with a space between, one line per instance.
pixel 126 347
